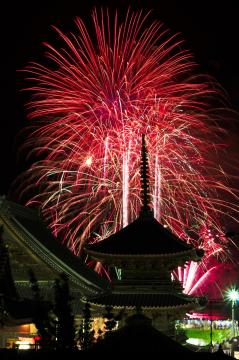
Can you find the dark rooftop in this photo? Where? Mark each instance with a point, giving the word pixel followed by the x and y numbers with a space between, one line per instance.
pixel 144 236
pixel 38 237
pixel 142 299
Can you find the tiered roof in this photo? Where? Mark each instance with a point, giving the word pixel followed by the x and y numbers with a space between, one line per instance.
pixel 145 301
pixel 144 236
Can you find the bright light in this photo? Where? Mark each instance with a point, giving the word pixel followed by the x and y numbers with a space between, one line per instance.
pixel 232 294
pixel 23 345
pixel 88 161
pixel 196 342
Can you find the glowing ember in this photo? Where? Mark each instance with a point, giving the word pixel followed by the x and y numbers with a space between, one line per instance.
pixel 88 161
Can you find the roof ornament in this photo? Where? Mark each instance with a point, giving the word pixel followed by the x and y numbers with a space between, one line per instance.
pixel 144 172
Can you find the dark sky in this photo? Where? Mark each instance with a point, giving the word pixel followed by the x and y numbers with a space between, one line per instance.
pixel 210 28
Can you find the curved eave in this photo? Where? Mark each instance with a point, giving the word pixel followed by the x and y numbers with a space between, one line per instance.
pixel 116 258
pixel 89 283
pixel 147 308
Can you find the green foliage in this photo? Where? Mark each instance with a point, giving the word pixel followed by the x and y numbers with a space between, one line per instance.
pixel 218 335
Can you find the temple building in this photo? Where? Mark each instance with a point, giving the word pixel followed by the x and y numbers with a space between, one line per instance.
pixel 140 258
pixel 31 245
pixel 27 244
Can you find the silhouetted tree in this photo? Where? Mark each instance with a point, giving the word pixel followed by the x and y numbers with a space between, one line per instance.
pixel 85 333
pixel 65 329
pixel 43 321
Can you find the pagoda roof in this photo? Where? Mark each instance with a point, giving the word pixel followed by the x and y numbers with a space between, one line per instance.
pixel 144 236
pixel 144 300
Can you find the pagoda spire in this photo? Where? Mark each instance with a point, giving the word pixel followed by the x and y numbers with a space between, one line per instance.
pixel 144 172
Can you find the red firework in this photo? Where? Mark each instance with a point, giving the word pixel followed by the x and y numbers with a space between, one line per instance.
pixel 91 104
pixel 195 277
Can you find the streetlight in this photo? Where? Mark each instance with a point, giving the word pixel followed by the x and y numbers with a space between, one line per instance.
pixel 233 296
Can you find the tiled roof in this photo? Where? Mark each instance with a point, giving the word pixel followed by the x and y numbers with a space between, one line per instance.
pixel 132 300
pixel 27 226
pixel 143 236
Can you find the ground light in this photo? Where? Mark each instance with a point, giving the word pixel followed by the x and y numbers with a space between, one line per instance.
pixel 232 295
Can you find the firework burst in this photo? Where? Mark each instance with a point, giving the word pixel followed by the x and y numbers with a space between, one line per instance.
pixel 92 102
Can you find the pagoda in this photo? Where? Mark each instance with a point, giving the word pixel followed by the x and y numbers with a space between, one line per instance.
pixel 140 258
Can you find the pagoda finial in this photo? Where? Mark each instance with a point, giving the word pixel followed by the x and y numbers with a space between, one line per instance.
pixel 144 170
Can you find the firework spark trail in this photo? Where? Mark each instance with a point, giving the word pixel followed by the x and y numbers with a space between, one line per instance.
pixel 196 277
pixel 125 186
pixel 157 189
pixel 92 103
pixel 193 276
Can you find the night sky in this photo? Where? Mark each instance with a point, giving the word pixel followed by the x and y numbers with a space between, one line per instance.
pixel 211 33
